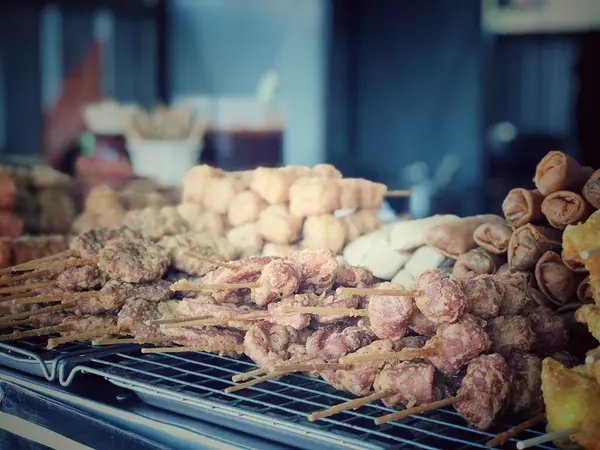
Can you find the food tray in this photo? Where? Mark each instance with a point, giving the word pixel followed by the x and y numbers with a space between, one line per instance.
pixel 32 357
pixel 192 384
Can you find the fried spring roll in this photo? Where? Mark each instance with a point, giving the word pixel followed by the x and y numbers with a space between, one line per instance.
pixel 456 237
pixel 529 243
pixel 476 262
pixel 558 171
pixel 555 280
pixel 522 206
pixel 591 190
pixel 584 291
pixel 493 236
pixel 563 208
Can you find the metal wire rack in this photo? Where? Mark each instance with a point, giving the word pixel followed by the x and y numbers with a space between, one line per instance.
pixel 32 357
pixel 192 384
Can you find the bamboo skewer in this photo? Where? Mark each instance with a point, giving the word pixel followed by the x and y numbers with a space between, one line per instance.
pixel 33 264
pixel 37 312
pixel 350 404
pixel 176 320
pixel 55 342
pixel 116 341
pixel 251 383
pixel 25 276
pixel 27 287
pixel 56 297
pixel 307 367
pixel 502 438
pixel 246 375
pixel 380 292
pixel 416 410
pixel 548 437
pixel 323 311
pixel 405 354
pixel 33 333
pixel 185 285
pixel 55 265
pixel 215 321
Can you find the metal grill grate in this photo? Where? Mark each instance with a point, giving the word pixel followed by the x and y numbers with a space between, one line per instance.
pixel 193 384
pixel 31 356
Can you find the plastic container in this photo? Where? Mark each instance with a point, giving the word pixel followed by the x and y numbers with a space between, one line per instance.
pixel 242 133
pixel 163 161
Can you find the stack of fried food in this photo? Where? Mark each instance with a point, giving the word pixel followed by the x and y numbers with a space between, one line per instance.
pixel 572 395
pixel 275 211
pixel 107 206
pixel 527 239
pixel 40 200
pixel 84 289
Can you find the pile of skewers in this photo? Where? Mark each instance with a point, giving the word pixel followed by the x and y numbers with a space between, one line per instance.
pixel 110 281
pixel 274 211
pixel 309 313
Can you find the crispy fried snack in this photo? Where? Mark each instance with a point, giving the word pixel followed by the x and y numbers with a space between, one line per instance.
pixel 572 398
pixel 579 238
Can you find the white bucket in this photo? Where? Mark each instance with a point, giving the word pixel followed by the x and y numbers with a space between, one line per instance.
pixel 164 161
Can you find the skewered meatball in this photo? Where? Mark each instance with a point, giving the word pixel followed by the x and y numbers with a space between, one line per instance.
pixel 457 343
pixel 336 300
pixel 359 379
pixel 485 296
pixel 551 334
pixel 510 335
pixel 352 276
pixel 389 315
pixel 485 390
pixel 318 268
pixel 412 383
pixel 331 344
pixel 421 324
pixel 442 297
pixel 278 279
pixel 267 343
pixel 88 244
pixel 133 261
pixel 296 321
pixel 80 278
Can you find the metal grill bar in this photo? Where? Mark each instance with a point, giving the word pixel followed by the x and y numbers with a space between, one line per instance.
pixel 201 377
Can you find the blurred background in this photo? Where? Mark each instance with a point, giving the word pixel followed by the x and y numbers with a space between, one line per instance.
pixel 457 101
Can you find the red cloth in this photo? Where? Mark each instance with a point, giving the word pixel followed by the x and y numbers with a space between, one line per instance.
pixel 64 123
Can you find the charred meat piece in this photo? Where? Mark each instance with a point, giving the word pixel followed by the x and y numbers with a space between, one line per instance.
pixel 83 324
pixel 267 343
pixel 296 321
pixel 485 390
pixel 511 335
pixel 278 279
